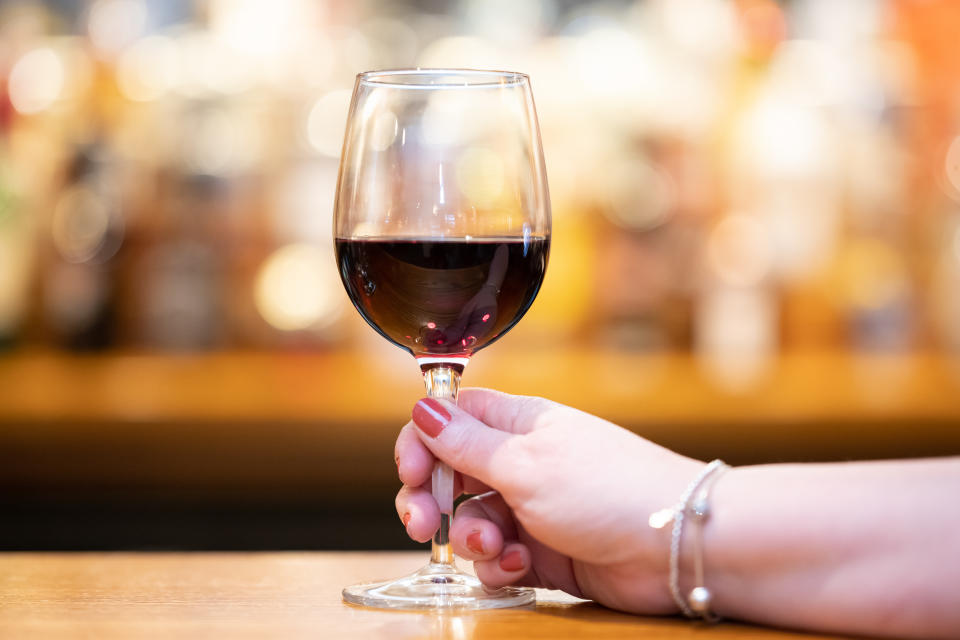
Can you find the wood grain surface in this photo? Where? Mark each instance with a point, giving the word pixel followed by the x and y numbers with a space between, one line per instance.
pixel 279 595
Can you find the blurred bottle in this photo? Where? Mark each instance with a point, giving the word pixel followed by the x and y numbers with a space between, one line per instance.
pixel 636 303
pixel 175 278
pixel 736 334
pixel 652 201
pixel 181 307
pixel 737 317
pixel 877 294
pixel 79 290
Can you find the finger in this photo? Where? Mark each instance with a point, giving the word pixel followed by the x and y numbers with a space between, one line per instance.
pixel 480 525
pixel 418 511
pixel 514 414
pixel 475 538
pixel 414 460
pixel 510 567
pixel 489 506
pixel 415 464
pixel 462 441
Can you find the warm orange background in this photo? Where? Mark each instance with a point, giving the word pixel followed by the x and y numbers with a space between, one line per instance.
pixel 756 248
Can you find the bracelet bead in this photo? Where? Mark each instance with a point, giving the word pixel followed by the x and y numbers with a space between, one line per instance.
pixel 699 600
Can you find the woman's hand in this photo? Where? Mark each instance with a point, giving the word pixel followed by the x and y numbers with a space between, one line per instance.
pixel 574 494
pixel 869 548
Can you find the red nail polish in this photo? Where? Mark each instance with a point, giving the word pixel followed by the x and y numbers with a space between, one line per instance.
pixel 406 518
pixel 475 542
pixel 431 416
pixel 511 561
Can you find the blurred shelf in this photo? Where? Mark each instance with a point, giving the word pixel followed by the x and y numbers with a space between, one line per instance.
pixel 323 424
pixel 364 388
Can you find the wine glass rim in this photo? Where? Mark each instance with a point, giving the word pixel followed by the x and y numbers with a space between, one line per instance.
pixel 463 78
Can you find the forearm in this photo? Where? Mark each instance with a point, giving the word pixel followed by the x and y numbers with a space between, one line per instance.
pixel 870 548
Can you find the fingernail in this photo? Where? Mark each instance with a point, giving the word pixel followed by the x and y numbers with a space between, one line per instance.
pixel 511 561
pixel 475 541
pixel 406 518
pixel 430 416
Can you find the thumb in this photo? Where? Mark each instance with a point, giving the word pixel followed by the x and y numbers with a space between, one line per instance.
pixel 465 443
pixel 515 414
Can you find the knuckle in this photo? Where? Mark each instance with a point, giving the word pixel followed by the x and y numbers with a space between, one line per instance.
pixel 545 413
pixel 515 462
pixel 531 413
pixel 537 463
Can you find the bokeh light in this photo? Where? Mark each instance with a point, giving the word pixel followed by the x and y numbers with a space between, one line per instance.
pixel 221 142
pixel 116 24
pixel 207 68
pixel 326 122
pixel 738 251
pixel 613 62
pixel 36 81
pixel 781 138
pixel 80 224
pixel 640 195
pixel 298 288
pixel 705 27
pixel 148 69
pixel 264 30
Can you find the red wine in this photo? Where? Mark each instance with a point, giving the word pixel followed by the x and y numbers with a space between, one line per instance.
pixel 442 297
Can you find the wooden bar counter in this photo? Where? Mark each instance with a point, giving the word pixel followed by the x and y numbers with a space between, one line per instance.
pixel 279 595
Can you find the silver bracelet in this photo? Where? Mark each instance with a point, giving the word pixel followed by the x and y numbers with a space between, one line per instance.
pixel 693 503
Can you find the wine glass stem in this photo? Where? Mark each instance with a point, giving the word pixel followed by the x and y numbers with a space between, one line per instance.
pixel 442 382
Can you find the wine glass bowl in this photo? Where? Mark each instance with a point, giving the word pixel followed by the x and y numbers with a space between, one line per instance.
pixel 442 235
pixel 443 297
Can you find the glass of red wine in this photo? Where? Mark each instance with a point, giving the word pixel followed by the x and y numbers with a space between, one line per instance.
pixel 442 232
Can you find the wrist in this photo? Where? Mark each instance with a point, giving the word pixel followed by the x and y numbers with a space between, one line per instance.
pixel 649 558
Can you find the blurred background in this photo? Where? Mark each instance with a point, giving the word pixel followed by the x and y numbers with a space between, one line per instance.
pixel 756 249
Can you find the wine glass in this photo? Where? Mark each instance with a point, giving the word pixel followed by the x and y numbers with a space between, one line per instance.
pixel 442 232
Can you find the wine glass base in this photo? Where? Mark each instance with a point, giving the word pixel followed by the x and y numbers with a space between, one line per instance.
pixel 436 586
